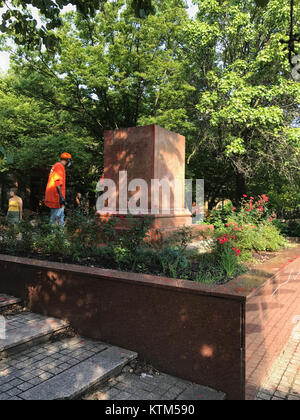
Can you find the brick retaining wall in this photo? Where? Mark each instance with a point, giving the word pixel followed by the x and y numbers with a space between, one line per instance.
pixel 184 329
pixel 197 332
pixel 269 317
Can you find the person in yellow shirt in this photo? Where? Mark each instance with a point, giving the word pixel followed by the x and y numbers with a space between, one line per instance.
pixel 15 208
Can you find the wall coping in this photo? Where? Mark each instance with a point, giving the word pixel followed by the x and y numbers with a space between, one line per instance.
pixel 250 283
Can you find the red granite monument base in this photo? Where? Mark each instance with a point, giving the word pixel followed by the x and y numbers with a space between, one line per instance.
pixel 150 155
pixel 162 228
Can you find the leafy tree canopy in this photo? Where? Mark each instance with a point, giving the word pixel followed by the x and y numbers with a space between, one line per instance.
pixel 222 79
pixel 19 22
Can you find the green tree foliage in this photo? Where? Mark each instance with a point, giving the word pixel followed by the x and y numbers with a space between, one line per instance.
pixel 221 79
pixel 142 8
pixel 114 70
pixel 18 22
pixel 249 99
pixel 262 3
pixel 4 156
pixel 35 135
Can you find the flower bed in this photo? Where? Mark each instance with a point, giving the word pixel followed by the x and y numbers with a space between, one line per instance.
pixel 83 241
pixel 245 231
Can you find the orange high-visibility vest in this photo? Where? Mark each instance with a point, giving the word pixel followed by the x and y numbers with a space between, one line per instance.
pixel 57 178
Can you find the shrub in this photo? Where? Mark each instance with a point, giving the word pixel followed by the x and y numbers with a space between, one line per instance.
pixel 174 263
pixel 209 270
pixel 219 217
pixel 262 237
pixel 85 241
pixel 213 270
pixel 250 228
pixel 54 244
pixel 229 259
pixel 288 228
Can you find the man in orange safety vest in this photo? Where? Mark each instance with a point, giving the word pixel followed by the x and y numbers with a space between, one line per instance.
pixel 55 197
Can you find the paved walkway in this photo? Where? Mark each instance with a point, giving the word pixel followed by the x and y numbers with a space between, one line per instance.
pixel 281 383
pixel 270 316
pixel 31 367
pixel 64 363
pixel 129 386
pixel 283 380
pixel 40 359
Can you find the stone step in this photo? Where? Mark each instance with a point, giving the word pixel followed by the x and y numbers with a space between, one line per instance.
pixel 7 302
pixel 25 330
pixel 79 379
pixel 201 393
pixel 142 386
pixel 65 369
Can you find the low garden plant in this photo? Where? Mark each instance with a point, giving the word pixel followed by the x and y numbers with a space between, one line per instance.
pixel 244 230
pixel 87 241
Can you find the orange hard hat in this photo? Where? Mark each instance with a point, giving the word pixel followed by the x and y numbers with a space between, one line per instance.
pixel 66 156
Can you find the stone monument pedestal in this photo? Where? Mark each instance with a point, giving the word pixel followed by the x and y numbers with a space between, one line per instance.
pixel 143 161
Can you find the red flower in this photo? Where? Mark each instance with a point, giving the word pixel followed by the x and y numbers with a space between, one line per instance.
pixel 237 251
pixel 265 198
pixel 227 225
pixel 233 208
pixel 223 239
pixel 244 195
pixel 248 210
pixel 251 198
